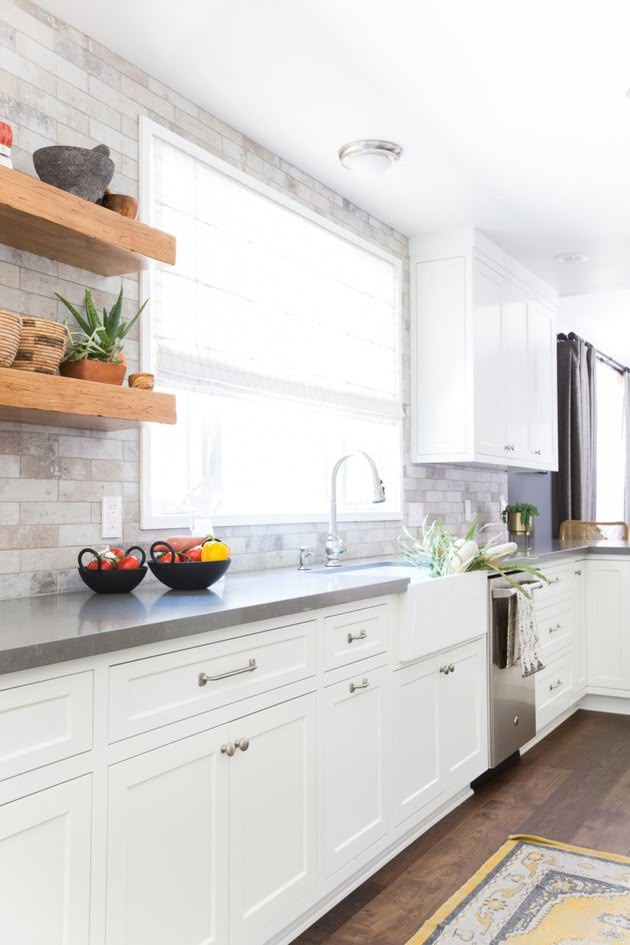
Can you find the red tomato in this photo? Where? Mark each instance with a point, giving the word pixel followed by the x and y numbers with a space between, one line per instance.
pixel 118 552
pixel 105 565
pixel 128 563
pixel 168 557
pixel 194 554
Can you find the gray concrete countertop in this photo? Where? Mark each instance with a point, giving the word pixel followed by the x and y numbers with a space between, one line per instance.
pixel 37 631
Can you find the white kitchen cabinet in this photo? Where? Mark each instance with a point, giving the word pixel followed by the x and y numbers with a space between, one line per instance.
pixel 418 778
pixel 486 326
pixel 578 602
pixel 355 716
pixel 272 815
pixel 45 850
pixel 608 622
pixel 463 719
pixel 208 839
pixel 440 737
pixel 167 854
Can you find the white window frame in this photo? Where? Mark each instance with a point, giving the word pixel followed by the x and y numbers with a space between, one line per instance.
pixel 149 130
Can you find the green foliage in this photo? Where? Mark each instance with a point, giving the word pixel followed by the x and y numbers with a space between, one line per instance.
pixel 102 338
pixel 528 512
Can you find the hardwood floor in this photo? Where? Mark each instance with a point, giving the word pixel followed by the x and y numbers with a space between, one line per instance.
pixel 574 787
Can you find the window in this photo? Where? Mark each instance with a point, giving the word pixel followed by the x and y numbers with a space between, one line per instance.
pixel 280 336
pixel 611 445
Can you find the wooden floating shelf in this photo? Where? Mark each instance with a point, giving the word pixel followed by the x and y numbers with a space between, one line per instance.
pixel 49 222
pixel 64 402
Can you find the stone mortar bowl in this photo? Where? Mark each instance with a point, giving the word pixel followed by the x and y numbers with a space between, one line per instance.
pixel 77 170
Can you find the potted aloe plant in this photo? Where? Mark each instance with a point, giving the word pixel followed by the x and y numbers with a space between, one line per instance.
pixel 95 353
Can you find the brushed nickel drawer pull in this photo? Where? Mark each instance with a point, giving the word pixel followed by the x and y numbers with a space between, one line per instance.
pixel 555 580
pixel 537 452
pixel 357 636
pixel 359 685
pixel 558 626
pixel 251 666
pixel 578 572
pixel 555 685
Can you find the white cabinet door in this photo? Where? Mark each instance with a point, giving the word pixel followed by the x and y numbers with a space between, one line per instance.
pixel 491 407
pixel 607 622
pixel 416 743
pixel 45 843
pixel 463 719
pixel 167 859
pixel 272 815
pixel 541 369
pixel 515 394
pixel 578 603
pixel 356 766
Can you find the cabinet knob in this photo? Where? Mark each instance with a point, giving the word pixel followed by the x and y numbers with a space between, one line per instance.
pixel 578 572
pixel 228 749
pixel 242 743
pixel 451 668
pixel 537 452
pixel 447 668
pixel 357 636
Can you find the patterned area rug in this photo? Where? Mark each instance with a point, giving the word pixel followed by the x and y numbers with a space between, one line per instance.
pixel 536 892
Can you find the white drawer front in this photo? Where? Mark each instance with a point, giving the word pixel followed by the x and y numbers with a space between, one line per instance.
pixel 555 627
pixel 44 722
pixel 555 689
pixel 354 636
pixel 148 693
pixel 562 584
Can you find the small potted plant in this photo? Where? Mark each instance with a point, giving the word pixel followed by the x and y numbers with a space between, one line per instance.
pixel 519 517
pixel 96 352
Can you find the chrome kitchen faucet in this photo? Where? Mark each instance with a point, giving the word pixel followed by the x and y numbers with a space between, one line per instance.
pixel 335 546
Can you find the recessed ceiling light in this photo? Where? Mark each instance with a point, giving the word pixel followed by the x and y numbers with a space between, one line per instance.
pixel 369 157
pixel 571 257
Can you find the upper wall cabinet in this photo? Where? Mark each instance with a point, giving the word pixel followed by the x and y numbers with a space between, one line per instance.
pixel 483 356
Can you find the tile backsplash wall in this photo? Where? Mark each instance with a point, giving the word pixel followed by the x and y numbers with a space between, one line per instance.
pixel 59 86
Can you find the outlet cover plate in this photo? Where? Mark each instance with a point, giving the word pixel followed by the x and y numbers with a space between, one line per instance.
pixel 111 516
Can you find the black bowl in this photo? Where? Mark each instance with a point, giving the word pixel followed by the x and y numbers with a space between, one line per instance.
pixel 187 575
pixel 111 582
pixel 190 575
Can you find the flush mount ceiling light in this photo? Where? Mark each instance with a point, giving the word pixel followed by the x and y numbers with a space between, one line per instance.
pixel 571 257
pixel 370 157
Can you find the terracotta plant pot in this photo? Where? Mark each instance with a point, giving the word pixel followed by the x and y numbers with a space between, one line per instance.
pixel 98 371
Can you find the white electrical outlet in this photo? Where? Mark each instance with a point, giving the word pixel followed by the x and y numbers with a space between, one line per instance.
pixel 111 516
pixel 467 510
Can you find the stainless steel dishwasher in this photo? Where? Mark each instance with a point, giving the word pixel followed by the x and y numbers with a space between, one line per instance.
pixel 512 697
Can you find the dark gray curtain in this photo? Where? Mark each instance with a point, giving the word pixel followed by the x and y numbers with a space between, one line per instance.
pixel 574 486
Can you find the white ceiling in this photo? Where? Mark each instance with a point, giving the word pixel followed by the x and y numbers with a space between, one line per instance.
pixel 512 115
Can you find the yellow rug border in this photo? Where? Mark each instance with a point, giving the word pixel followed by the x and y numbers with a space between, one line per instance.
pixel 431 924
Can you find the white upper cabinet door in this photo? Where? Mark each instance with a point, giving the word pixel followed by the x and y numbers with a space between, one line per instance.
pixel 542 402
pixel 441 360
pixel 45 844
pixel 463 715
pixel 607 622
pixel 167 859
pixel 491 408
pixel 416 743
pixel 516 391
pixel 356 768
pixel 272 816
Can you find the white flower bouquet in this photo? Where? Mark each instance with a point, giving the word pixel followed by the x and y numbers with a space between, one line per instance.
pixel 443 553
